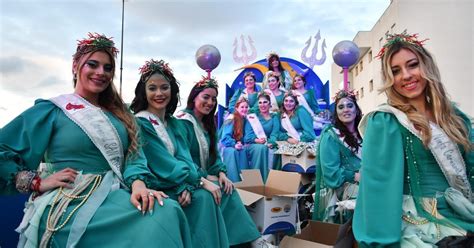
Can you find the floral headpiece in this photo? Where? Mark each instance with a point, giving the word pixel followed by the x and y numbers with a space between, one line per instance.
pixel 206 82
pixel 153 66
pixel 402 37
pixel 272 54
pixel 344 93
pixel 96 42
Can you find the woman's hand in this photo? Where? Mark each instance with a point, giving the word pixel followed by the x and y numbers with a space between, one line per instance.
pixel 214 189
pixel 184 199
pixel 270 145
pixel 63 178
pixel 260 140
pixel 225 183
pixel 238 145
pixel 357 177
pixel 143 198
pixel 292 140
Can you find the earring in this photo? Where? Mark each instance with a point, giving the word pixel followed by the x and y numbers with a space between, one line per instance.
pixel 428 99
pixel 74 76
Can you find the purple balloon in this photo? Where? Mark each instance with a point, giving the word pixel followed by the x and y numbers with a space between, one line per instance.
pixel 345 53
pixel 208 57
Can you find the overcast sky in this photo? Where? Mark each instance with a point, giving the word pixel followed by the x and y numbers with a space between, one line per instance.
pixel 39 37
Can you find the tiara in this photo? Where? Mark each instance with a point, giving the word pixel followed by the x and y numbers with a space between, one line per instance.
pixel 402 37
pixel 271 54
pixel 344 93
pixel 96 42
pixel 153 66
pixel 206 82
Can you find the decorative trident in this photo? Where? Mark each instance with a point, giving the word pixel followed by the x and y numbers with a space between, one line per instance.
pixel 245 58
pixel 311 60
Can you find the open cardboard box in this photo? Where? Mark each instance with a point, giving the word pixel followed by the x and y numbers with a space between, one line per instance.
pixel 316 234
pixel 273 205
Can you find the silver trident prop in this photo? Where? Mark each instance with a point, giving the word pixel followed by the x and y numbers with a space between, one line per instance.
pixel 312 60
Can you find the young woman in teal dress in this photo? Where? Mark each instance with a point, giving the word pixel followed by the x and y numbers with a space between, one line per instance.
pixel 232 140
pixel 276 94
pixel 261 133
pixel 417 160
pixel 88 139
pixel 307 99
pixel 199 129
pixel 276 68
pixel 249 92
pixel 338 161
pixel 296 122
pixel 156 99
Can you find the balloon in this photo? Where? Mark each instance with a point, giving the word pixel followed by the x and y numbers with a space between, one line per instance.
pixel 208 57
pixel 345 53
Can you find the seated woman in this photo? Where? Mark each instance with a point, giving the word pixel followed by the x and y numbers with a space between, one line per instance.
pixel 296 122
pixel 276 68
pixel 249 92
pixel 338 161
pixel 156 98
pixel 235 156
pixel 276 94
pixel 261 133
pixel 88 139
pixel 199 129
pixel 307 99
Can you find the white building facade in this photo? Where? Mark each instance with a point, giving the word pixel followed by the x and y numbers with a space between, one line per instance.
pixel 449 26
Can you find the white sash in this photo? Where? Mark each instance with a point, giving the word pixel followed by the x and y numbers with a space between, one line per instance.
pixel 445 151
pixel 290 129
pixel 302 101
pixel 160 129
pixel 256 126
pixel 93 121
pixel 201 138
pixel 273 101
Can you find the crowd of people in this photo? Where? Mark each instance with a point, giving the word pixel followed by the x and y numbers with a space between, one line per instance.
pixel 403 173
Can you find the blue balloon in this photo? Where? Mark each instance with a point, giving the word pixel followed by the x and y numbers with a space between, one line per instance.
pixel 208 57
pixel 345 53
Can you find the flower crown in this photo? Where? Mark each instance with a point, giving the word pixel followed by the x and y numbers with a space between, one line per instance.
pixel 402 37
pixel 272 54
pixel 344 93
pixel 206 82
pixel 96 42
pixel 153 66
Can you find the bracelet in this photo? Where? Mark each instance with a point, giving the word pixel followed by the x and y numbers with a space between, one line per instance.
pixel 23 181
pixel 35 186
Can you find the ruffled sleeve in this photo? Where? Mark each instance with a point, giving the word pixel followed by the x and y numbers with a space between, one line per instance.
pixel 468 155
pixel 227 131
pixel 306 122
pixel 24 141
pixel 334 174
pixel 313 102
pixel 377 217
pixel 274 135
pixel 136 169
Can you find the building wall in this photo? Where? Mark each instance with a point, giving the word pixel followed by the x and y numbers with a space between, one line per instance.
pixel 449 25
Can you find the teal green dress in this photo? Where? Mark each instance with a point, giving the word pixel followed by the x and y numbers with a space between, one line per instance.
pixel 336 165
pixel 178 172
pixel 239 224
pixel 252 98
pixel 312 101
pixel 43 132
pixel 234 160
pixel 303 123
pixel 389 151
pixel 260 156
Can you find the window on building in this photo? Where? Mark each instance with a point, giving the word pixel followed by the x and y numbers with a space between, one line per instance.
pixel 371 85
pixel 380 42
pixel 361 92
pixel 392 28
pixel 361 65
pixel 357 70
pixel 370 56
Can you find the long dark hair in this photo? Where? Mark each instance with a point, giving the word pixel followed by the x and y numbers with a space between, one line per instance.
pixel 140 101
pixel 208 120
pixel 349 139
pixel 273 57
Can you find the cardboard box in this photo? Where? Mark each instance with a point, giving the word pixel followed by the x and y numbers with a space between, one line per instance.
pixel 273 206
pixel 315 235
pixel 303 163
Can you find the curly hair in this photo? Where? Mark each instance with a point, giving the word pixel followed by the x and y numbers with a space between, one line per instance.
pixel 353 142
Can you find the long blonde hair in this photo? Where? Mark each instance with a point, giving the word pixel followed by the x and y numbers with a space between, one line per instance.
pixel 436 97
